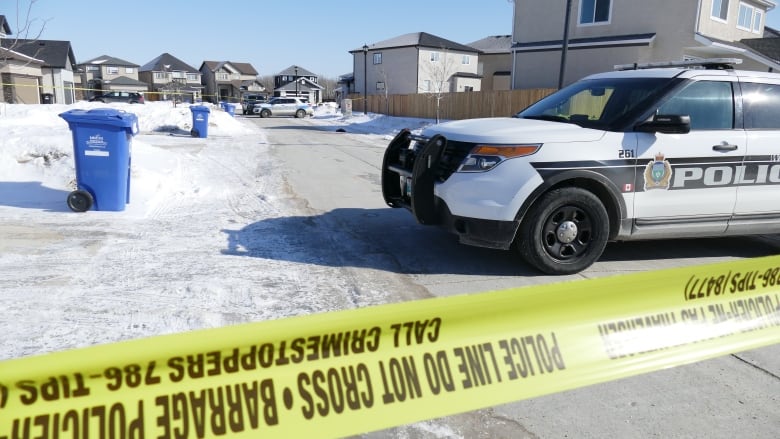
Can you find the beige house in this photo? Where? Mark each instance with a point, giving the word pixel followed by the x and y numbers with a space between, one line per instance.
pixel 604 33
pixel 170 78
pixel 21 75
pixel 415 63
pixel 495 61
pixel 228 80
pixel 107 73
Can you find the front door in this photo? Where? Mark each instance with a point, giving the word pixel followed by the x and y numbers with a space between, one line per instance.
pixel 687 182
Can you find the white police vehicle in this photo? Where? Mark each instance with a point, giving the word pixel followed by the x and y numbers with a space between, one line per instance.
pixel 688 149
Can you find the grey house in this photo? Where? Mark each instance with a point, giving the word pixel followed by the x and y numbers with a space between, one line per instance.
pixel 604 33
pixel 107 73
pixel 299 82
pixel 495 61
pixel 170 78
pixel 415 63
pixel 42 70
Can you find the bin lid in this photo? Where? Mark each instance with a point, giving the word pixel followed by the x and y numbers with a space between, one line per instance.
pixel 202 108
pixel 102 116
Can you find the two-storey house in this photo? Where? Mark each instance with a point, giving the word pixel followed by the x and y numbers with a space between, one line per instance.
pixel 20 75
pixel 299 82
pixel 415 63
pixel 228 80
pixel 107 73
pixel 603 33
pixel 170 78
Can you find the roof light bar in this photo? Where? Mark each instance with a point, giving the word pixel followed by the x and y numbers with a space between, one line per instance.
pixel 707 63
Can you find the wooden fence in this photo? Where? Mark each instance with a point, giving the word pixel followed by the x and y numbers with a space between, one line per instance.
pixel 464 105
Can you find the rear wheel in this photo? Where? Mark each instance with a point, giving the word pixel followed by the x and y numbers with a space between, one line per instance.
pixel 564 232
pixel 300 114
pixel 80 201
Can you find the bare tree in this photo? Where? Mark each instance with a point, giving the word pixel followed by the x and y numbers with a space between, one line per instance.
pixel 27 29
pixel 438 69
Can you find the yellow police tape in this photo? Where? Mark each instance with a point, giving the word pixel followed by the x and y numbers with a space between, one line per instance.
pixel 355 371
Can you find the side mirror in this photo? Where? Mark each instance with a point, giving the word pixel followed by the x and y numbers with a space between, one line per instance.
pixel 666 123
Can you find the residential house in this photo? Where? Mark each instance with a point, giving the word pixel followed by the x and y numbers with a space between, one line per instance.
pixel 169 78
pixel 604 33
pixel 21 76
pixel 345 86
pixel 299 82
pixel 228 80
pixel 107 73
pixel 415 63
pixel 59 63
pixel 495 61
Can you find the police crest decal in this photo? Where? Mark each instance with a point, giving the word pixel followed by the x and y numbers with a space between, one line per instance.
pixel 658 173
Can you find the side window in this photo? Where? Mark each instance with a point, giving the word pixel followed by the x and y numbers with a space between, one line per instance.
pixel 761 104
pixel 710 104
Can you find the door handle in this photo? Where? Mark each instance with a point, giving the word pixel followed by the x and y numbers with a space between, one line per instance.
pixel 724 147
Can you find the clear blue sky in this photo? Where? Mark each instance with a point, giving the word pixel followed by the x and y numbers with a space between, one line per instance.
pixel 270 34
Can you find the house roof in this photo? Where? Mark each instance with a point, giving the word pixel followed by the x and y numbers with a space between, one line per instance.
pixel 110 60
pixel 291 71
pixel 4 27
pixel 418 39
pixel 6 54
pixel 56 54
pixel 166 59
pixel 769 47
pixel 493 44
pixel 770 32
pixel 242 67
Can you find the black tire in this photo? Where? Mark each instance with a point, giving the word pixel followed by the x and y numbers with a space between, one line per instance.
pixel 194 132
pixel 564 232
pixel 80 201
pixel 265 113
pixel 300 114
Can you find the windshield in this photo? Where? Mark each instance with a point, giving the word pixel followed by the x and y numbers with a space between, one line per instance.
pixel 598 103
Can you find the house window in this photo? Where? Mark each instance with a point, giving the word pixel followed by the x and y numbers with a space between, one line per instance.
pixel 468 88
pixel 465 60
pixel 129 70
pixel 159 75
pixel 427 85
pixel 720 9
pixel 112 70
pixel 222 76
pixel 745 17
pixel 91 68
pixel 377 58
pixel 757 21
pixel 594 11
pixel 380 85
pixel 434 56
pixel 192 77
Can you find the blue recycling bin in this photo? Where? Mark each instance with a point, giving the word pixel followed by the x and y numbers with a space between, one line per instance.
pixel 230 109
pixel 102 140
pixel 200 121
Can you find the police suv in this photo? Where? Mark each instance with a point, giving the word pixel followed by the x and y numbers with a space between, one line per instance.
pixel 662 150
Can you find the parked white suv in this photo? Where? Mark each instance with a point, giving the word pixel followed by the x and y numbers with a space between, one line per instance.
pixel 639 153
pixel 283 106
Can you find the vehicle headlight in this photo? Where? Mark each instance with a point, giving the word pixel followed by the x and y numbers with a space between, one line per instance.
pixel 486 157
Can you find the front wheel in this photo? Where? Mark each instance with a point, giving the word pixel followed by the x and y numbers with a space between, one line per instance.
pixel 300 114
pixel 265 113
pixel 564 232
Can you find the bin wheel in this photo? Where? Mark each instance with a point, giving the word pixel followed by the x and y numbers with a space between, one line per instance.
pixel 194 132
pixel 80 201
